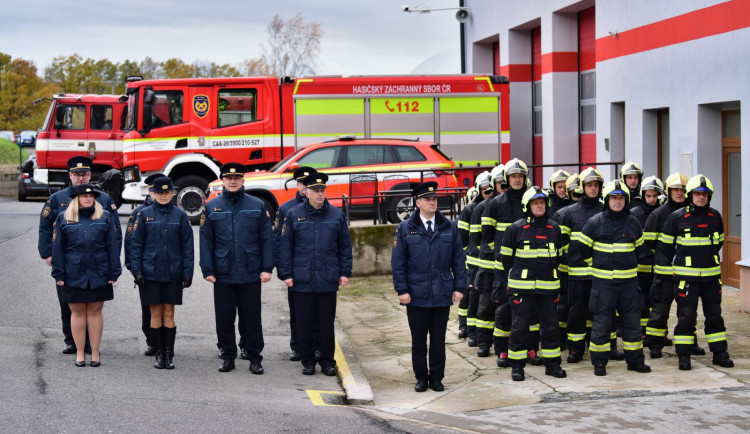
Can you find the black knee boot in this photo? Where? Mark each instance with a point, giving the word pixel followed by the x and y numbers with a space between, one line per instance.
pixel 169 336
pixel 156 338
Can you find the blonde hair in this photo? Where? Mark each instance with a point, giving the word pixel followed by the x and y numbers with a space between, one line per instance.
pixel 71 213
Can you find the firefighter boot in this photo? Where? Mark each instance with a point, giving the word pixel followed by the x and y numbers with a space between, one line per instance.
pixel 639 367
pixel 533 358
pixel 502 360
pixel 696 350
pixel 655 353
pixel 613 353
pixel 517 373
pixel 721 358
pixel 462 330
pixel 555 371
pixel 472 331
pixel 684 363
pixel 575 357
pixel 600 370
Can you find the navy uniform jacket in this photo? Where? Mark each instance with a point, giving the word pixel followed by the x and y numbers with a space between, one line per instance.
pixel 162 244
pixel 236 242
pixel 277 224
pixel 85 253
pixel 316 249
pixel 57 204
pixel 129 231
pixel 428 269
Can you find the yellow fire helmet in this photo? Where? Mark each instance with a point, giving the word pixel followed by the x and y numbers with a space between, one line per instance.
pixel 590 175
pixel 516 166
pixel 652 183
pixel 616 187
pixel 676 180
pixel 471 194
pixel 631 168
pixel 482 181
pixel 497 174
pixel 534 193
pixel 558 176
pixel 700 183
pixel 572 183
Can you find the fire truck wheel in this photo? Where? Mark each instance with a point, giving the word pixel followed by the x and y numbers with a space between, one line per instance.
pixel 192 196
pixel 400 208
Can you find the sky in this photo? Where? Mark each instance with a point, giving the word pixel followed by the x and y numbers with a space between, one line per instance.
pixel 359 37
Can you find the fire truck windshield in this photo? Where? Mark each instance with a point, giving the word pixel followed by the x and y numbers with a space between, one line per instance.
pixel 130 120
pixel 49 116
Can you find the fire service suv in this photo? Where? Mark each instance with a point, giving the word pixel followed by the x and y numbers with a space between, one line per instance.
pixel 187 128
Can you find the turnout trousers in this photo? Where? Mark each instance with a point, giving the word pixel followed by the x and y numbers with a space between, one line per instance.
pixel 524 308
pixel 606 298
pixel 687 294
pixel 579 293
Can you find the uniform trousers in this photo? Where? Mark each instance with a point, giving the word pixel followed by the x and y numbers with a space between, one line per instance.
pixel 606 298
pixel 424 321
pixel 229 300
pixel 311 309
pixel 686 296
pixel 526 308
pixel 579 293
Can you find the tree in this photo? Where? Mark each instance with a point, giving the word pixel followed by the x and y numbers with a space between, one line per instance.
pixel 19 87
pixel 291 49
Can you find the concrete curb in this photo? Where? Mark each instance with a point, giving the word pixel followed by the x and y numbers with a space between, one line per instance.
pixel 350 372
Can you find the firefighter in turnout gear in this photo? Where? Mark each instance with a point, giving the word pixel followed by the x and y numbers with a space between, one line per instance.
pixel 689 244
pixel 572 196
pixel 613 243
pixel 483 188
pixel 500 213
pixel 530 252
pixel 661 292
pixel 498 186
pixel 571 220
pixel 631 174
pixel 558 193
pixel 651 189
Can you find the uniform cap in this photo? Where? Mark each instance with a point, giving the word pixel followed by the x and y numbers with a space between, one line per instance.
pixel 315 180
pixel 163 183
pixel 150 179
pixel 558 176
pixel 230 169
pixel 85 189
pixel 425 189
pixel 302 172
pixel 79 164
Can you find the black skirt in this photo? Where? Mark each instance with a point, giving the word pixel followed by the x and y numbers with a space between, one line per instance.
pixel 161 293
pixel 87 295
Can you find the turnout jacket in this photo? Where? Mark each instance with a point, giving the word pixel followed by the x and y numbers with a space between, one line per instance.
pixel 571 220
pixel 654 224
pixel 613 241
pixel 277 223
pixel 475 241
pixel 556 204
pixel 464 221
pixel 315 249
pixel 236 243
pixel 690 242
pixel 531 251
pixel 162 244
pixel 129 229
pixel 57 204
pixel 500 213
pixel 641 213
pixel 85 254
pixel 429 269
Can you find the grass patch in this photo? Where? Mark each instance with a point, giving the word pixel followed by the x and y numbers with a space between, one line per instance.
pixel 9 153
pixel 362 286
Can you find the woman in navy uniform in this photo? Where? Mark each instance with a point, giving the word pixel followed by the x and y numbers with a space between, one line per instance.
pixel 162 263
pixel 85 264
pixel 315 260
pixel 429 275
pixel 236 252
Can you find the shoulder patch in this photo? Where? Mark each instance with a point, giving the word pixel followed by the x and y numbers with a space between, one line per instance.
pixel 113 206
pixel 301 219
pixel 150 219
pixel 46 211
pixel 276 221
pixel 283 228
pixel 203 219
pixel 135 226
pixel 217 209
pixel 395 240
pixel 130 228
pixel 54 234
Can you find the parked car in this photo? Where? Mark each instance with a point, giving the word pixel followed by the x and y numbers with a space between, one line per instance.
pixel 8 135
pixel 27 138
pixel 26 185
pixel 359 169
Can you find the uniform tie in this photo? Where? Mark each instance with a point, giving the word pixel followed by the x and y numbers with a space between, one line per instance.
pixel 429 228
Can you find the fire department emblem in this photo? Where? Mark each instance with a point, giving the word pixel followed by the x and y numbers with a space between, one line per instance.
pixel 203 219
pixel 200 105
pixel 45 211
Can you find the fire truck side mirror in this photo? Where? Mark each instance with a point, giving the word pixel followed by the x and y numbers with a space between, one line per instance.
pixel 148 106
pixel 59 119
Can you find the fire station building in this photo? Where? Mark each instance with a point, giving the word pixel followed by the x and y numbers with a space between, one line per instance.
pixel 662 83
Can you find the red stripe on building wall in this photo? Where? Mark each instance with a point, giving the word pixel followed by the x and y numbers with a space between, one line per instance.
pixel 560 61
pixel 536 53
pixel 588 149
pixel 518 73
pixel 701 23
pixel 587 38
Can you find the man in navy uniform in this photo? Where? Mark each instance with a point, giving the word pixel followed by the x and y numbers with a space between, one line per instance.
pixel 236 255
pixel 79 174
pixel 315 260
pixel 301 173
pixel 429 275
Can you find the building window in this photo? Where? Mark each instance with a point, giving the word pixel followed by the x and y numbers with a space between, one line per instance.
pixel 588 102
pixel 537 97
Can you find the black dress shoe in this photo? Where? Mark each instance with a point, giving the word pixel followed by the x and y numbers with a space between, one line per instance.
pixel 639 367
pixel 81 364
pixel 221 353
pixel 150 351
pixel 295 356
pixel 226 365
pixel 421 385
pixel 94 364
pixel 308 370
pixel 256 368
pixel 244 354
pixel 69 349
pixel 328 370
pixel 436 385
